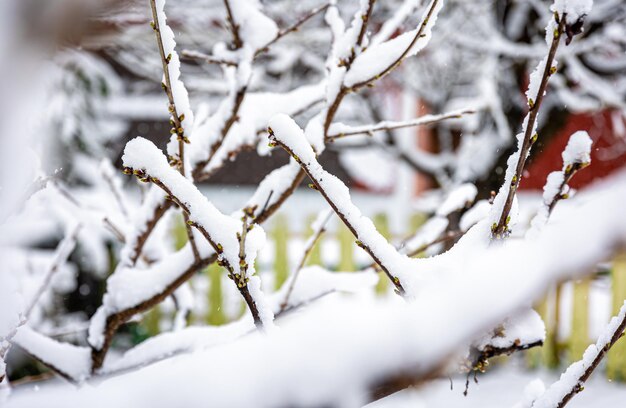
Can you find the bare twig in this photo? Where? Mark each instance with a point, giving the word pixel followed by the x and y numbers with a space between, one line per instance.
pixel 501 228
pixel 318 186
pixel 209 59
pixel 333 106
pixel 392 125
pixel 418 34
pixel 176 118
pixel 233 26
pixel 294 27
pixel 239 278
pixel 320 227
pixel 568 173
pixel 61 254
pixel 615 332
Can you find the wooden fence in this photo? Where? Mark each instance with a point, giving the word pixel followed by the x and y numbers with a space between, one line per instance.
pixel 336 250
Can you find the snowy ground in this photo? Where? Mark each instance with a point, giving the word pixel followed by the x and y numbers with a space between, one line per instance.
pixel 502 388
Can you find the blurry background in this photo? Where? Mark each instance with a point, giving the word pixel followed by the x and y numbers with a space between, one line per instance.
pixel 80 78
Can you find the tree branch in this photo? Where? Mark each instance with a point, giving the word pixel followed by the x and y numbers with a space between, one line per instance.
pixel 339 130
pixel 501 228
pixel 294 27
pixel 319 226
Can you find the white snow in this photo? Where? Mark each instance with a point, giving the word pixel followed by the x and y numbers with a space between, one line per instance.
pixel 578 149
pixel 287 132
pixel 571 378
pixel 315 281
pixel 522 329
pixel 417 335
pixel 179 92
pixel 375 59
pixel 73 361
pixel 460 197
pixel 532 391
pixel 255 28
pixel 574 9
pixel 141 154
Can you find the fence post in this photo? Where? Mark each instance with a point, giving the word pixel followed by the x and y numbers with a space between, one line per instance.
pixel 382 225
pixel 280 236
pixel 616 359
pixel 215 315
pixel 346 248
pixel 315 256
pixel 547 355
pixel 579 336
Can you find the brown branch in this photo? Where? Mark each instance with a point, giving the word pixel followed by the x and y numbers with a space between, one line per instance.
pixel 307 251
pixel 209 59
pixel 114 321
pixel 343 91
pixel 176 118
pixel 234 27
pixel 198 172
pixel 294 27
pixel 419 34
pixel 568 173
pixel 617 334
pixel 118 319
pixel 445 237
pixel 342 216
pixel 239 278
pixel 143 236
pixel 501 228
pixel 388 126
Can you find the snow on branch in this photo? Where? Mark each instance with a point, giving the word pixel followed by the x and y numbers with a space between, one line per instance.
pixel 286 133
pixel 319 227
pixel 315 283
pixel 292 28
pixel 340 130
pixel 181 115
pixel 224 233
pixel 250 27
pixel 576 156
pixel 378 60
pixel 383 347
pixel 559 24
pixel 69 361
pixel 573 379
pixel 61 254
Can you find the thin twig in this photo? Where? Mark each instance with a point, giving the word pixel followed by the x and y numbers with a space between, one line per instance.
pixel 234 27
pixel 320 228
pixel 392 125
pixel 239 278
pixel 209 59
pixel 568 173
pixel 396 63
pixel 61 254
pixel 616 334
pixel 176 118
pixel 501 228
pixel 316 183
pixel 333 107
pixel 294 27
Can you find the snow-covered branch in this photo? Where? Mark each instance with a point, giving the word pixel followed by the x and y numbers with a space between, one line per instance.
pixel 561 23
pixel 340 130
pixel 286 133
pixel 236 251
pixel 573 379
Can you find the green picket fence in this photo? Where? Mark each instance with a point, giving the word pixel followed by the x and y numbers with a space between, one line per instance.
pixel 555 353
pixel 559 351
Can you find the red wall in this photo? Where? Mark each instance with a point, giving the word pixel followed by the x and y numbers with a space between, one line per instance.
pixel 608 152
